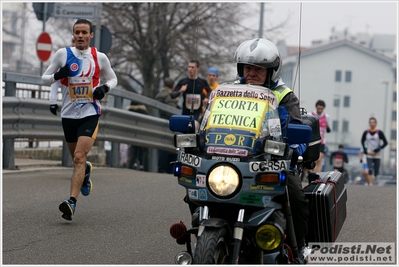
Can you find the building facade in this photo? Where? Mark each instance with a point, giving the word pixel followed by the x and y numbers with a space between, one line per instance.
pixel 357 79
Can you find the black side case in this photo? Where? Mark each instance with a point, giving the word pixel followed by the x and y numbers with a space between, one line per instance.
pixel 312 152
pixel 327 206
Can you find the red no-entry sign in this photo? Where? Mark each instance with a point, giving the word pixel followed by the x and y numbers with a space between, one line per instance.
pixel 43 46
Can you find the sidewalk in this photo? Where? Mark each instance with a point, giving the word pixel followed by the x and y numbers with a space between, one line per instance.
pixel 25 164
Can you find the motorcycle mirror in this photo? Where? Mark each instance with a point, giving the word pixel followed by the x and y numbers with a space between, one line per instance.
pixel 182 123
pixel 299 133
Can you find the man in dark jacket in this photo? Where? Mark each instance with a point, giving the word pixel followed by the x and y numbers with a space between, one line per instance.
pixel 165 97
pixel 165 157
pixel 137 153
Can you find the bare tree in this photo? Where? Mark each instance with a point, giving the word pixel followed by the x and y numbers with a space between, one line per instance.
pixel 156 40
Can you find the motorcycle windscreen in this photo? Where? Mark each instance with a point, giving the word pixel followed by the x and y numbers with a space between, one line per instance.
pixel 238 118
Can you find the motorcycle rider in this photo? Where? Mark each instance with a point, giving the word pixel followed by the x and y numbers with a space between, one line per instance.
pixel 259 63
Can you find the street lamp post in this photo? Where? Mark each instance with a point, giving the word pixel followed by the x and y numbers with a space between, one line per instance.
pixel 385 116
pixel 337 100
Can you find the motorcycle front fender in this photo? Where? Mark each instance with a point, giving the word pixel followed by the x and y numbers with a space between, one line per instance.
pixel 212 223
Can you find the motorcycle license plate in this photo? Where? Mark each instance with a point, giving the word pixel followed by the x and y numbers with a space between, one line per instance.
pixel 269 165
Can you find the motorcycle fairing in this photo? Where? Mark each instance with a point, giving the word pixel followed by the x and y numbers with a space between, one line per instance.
pixel 238 119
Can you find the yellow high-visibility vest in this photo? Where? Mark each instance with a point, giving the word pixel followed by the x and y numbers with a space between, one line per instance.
pixel 281 92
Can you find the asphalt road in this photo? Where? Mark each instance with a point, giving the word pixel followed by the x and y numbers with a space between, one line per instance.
pixel 126 218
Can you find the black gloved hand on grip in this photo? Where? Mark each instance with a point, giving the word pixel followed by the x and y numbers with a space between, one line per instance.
pixel 54 109
pixel 294 157
pixel 62 73
pixel 100 91
pixel 328 129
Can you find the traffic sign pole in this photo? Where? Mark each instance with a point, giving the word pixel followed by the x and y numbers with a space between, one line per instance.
pixel 43 50
pixel 43 30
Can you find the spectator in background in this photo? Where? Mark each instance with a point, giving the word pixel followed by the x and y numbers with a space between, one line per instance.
pixel 192 89
pixel 165 97
pixel 338 160
pixel 124 153
pixel 371 143
pixel 324 128
pixel 136 160
pixel 165 157
pixel 212 78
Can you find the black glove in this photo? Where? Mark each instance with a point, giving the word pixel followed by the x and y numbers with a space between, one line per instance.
pixel 328 129
pixel 62 73
pixel 365 151
pixel 361 161
pixel 294 157
pixel 100 91
pixel 54 109
pixel 377 150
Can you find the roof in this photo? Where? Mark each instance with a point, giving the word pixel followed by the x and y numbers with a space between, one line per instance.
pixel 345 42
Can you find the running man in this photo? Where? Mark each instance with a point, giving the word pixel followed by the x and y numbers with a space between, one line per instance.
pixel 78 69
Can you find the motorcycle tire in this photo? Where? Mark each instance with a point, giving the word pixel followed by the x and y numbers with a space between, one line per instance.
pixel 212 247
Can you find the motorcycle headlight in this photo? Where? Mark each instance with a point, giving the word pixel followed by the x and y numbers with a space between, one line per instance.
pixel 223 180
pixel 185 140
pixel 269 237
pixel 274 147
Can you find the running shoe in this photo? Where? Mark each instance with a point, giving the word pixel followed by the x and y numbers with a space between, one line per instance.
pixel 67 207
pixel 87 185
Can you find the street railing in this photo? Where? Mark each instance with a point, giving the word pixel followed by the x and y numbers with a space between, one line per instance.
pixel 31 118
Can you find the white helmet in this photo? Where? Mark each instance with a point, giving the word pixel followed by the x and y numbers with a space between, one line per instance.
pixel 259 52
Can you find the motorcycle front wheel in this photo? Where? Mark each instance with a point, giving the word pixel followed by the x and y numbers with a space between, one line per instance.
pixel 212 248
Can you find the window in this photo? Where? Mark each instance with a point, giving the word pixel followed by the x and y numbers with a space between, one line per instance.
pixel 338 75
pixel 345 126
pixel 14 20
pixel 348 76
pixel 347 101
pixel 394 115
pixel 336 102
pixel 335 126
pixel 393 135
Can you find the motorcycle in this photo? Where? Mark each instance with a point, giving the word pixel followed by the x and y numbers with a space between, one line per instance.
pixel 234 168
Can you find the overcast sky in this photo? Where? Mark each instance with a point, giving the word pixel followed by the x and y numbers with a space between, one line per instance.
pixel 318 18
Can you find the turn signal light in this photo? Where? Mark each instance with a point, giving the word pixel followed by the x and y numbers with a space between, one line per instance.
pixel 178 230
pixel 186 170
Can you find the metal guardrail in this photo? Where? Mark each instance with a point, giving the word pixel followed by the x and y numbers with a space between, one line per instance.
pixel 30 118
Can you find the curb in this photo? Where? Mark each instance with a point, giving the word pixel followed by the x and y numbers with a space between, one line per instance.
pixel 25 169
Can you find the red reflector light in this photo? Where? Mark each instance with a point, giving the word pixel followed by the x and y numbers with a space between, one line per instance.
pixel 269 178
pixel 178 230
